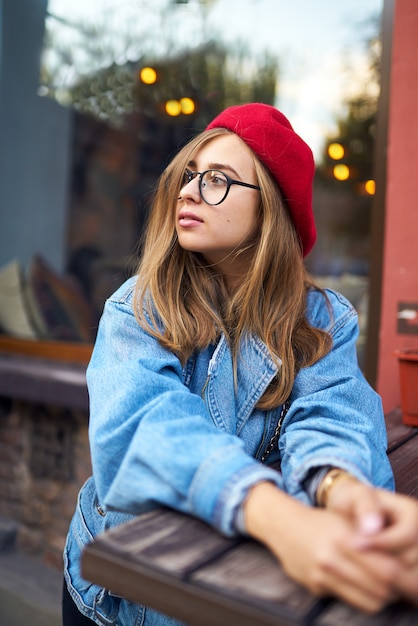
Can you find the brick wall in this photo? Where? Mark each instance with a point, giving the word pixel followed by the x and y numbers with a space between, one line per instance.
pixel 44 459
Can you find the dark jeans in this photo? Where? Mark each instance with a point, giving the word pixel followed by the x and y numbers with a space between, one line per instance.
pixel 71 616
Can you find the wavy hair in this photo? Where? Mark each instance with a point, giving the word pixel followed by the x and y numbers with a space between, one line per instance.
pixel 185 303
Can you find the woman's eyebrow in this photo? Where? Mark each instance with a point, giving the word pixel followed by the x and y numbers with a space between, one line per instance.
pixel 216 166
pixel 223 166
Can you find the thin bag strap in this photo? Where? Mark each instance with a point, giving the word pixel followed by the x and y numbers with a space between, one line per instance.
pixel 276 435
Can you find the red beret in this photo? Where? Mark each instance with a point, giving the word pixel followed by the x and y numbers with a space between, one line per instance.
pixel 270 135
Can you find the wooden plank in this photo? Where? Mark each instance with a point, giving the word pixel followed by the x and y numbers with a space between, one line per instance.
pixel 397 431
pixel 404 461
pixel 170 595
pixel 340 614
pixel 181 553
pixel 172 542
pixel 44 382
pixel 56 350
pixel 250 571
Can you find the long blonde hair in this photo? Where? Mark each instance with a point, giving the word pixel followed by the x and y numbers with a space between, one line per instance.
pixel 186 306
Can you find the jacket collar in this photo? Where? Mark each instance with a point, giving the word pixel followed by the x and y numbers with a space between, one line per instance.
pixel 230 407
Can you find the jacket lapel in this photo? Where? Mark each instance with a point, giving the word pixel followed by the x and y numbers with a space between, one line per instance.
pixel 230 407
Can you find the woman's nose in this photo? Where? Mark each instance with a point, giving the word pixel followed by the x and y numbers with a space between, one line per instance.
pixel 191 190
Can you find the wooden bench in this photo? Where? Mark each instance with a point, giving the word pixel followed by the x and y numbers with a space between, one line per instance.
pixel 182 567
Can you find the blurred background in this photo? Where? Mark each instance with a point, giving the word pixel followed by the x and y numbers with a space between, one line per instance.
pixel 97 96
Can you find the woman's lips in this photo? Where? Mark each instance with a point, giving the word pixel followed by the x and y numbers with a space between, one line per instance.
pixel 186 218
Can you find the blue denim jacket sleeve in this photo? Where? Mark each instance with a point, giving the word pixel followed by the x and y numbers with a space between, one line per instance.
pixel 152 440
pixel 335 417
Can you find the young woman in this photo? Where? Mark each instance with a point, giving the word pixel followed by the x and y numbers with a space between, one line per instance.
pixel 218 338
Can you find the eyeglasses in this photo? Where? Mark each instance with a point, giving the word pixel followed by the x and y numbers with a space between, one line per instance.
pixel 214 185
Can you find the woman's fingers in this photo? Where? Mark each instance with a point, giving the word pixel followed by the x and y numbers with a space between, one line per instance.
pixel 407 584
pixel 386 521
pixel 400 533
pixel 324 549
pixel 397 537
pixel 365 580
pixel 359 503
pixel 329 564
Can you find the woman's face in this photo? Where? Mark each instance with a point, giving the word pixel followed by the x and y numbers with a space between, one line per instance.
pixel 217 232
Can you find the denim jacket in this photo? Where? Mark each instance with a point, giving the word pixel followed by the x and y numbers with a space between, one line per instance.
pixel 185 437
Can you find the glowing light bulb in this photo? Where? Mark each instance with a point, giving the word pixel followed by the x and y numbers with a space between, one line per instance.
pixel 187 106
pixel 148 75
pixel 173 108
pixel 370 187
pixel 336 151
pixel 341 172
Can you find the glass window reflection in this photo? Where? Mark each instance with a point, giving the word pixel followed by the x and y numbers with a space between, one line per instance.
pixel 140 77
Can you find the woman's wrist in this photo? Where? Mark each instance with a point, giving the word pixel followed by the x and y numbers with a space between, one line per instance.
pixel 334 476
pixel 267 511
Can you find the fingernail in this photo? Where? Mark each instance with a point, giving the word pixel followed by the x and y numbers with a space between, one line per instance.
pixel 370 523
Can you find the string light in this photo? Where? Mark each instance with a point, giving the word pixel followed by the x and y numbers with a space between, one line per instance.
pixel 336 151
pixel 341 172
pixel 173 108
pixel 148 75
pixel 187 106
pixel 370 187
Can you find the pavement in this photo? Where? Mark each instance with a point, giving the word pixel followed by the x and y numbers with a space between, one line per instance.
pixel 30 591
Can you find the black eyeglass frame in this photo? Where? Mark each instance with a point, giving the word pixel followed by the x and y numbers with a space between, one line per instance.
pixel 189 175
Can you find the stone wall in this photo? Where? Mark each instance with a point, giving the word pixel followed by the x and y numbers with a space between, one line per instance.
pixel 44 459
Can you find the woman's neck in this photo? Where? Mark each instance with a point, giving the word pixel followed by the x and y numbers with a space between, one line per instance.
pixel 234 270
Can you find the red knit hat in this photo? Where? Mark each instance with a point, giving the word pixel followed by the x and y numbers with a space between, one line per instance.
pixel 270 135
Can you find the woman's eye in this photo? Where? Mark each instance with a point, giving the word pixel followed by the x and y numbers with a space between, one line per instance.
pixel 217 179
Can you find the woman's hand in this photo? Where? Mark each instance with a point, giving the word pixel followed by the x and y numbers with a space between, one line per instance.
pixel 387 522
pixel 322 549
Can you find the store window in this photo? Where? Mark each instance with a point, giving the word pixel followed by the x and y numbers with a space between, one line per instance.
pixel 128 82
